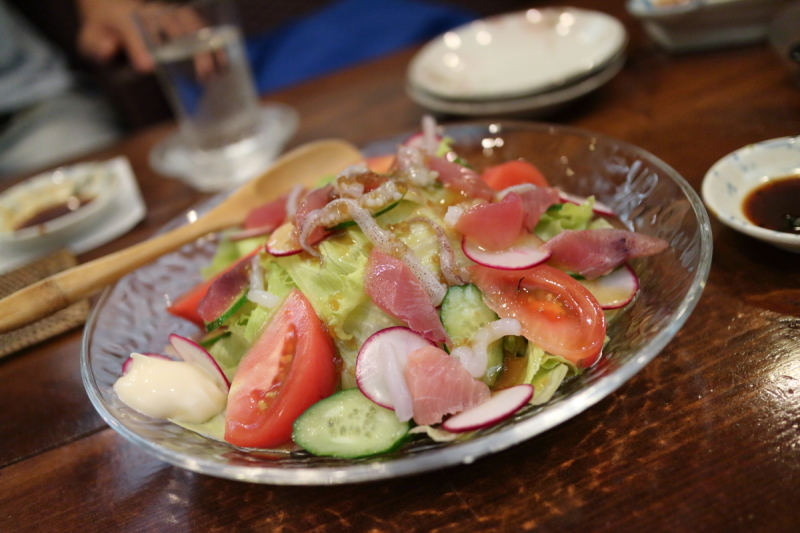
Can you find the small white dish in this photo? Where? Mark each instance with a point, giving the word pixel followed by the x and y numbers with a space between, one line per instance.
pixel 517 54
pixel 535 105
pixel 729 181
pixel 227 167
pixel 50 207
pixel 124 210
pixel 687 25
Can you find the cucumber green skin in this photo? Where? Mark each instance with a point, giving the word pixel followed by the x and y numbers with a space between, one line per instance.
pixel 463 313
pixel 335 427
pixel 240 301
pixel 348 223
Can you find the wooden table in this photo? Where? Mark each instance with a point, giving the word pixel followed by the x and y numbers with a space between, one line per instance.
pixel 705 438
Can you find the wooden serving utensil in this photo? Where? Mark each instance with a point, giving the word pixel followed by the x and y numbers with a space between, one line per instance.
pixel 304 165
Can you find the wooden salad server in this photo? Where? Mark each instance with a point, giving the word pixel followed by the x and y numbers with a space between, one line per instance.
pixel 305 165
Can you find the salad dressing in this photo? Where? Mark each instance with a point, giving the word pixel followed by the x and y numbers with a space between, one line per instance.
pixel 174 390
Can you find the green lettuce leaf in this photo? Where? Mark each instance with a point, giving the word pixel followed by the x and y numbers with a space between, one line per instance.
pixel 564 216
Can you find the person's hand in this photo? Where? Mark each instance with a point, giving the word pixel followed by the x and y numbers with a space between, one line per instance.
pixel 108 28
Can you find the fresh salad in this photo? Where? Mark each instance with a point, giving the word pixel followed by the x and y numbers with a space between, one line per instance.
pixel 409 294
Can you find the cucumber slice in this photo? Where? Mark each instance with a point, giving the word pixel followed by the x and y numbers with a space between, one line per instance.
pixel 349 425
pixel 376 214
pixel 463 313
pixel 228 313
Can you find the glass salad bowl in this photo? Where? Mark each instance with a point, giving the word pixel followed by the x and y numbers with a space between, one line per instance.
pixel 647 195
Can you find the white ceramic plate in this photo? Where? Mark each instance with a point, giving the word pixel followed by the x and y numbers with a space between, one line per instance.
pixel 728 182
pixel 517 54
pixel 535 105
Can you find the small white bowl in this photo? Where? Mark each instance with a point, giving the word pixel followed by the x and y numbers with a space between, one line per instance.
pixel 88 187
pixel 732 178
pixel 687 25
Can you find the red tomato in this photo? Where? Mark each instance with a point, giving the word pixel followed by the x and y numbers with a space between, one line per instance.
pixel 380 164
pixel 511 173
pixel 186 305
pixel 556 312
pixel 290 367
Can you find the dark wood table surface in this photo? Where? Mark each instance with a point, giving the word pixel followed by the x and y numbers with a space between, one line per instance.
pixel 705 438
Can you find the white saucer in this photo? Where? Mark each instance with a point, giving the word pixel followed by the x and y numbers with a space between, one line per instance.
pixel 535 105
pixel 117 217
pixel 236 164
pixel 517 54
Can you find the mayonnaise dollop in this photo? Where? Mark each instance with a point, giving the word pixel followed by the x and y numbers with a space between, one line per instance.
pixel 174 390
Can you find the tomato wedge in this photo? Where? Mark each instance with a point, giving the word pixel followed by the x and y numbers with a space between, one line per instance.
pixel 511 173
pixel 556 312
pixel 290 367
pixel 186 305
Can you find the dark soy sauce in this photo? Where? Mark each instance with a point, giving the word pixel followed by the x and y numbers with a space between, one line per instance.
pixel 775 205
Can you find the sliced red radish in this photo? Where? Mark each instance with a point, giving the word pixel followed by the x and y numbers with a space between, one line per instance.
pixel 599 207
pixel 191 352
pixel 375 359
pixel 283 241
pixel 126 365
pixel 526 252
pixel 499 407
pixel 614 290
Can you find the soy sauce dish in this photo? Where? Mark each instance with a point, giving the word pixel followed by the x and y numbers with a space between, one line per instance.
pixel 754 190
pixel 49 209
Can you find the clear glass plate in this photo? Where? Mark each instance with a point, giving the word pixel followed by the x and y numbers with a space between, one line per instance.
pixel 648 195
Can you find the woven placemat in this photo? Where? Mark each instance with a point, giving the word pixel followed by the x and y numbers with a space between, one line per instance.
pixel 64 320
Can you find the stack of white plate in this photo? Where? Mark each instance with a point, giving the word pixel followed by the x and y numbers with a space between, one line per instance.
pixel 529 62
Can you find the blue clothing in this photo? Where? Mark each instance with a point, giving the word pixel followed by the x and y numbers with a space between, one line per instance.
pixel 344 33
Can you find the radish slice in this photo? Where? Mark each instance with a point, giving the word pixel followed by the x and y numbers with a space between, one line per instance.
pixel 613 290
pixel 375 359
pixel 496 409
pixel 126 365
pixel 283 241
pixel 526 252
pixel 191 352
pixel 599 207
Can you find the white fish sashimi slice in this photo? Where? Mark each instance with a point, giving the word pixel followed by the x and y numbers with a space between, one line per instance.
pixel 500 406
pixel 526 252
pixel 614 290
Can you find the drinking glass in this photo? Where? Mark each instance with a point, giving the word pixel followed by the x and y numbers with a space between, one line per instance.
pixel 225 135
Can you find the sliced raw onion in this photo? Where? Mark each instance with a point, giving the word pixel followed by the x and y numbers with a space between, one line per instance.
pixel 499 407
pixel 380 363
pixel 614 290
pixel 475 357
pixel 526 252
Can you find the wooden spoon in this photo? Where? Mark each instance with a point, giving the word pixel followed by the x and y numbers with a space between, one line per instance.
pixel 304 165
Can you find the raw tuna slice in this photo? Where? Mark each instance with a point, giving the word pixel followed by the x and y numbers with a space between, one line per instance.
pixel 440 385
pixel 224 292
pixel 393 287
pixel 461 179
pixel 267 216
pixel 592 253
pixel 535 202
pixel 493 226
